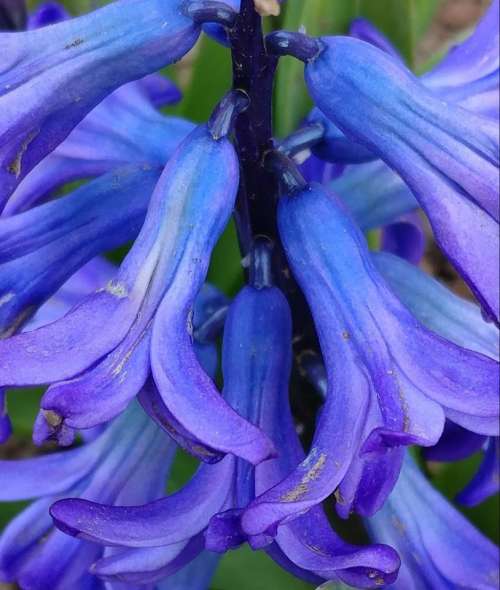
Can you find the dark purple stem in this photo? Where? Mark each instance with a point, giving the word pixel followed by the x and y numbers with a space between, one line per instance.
pixel 253 72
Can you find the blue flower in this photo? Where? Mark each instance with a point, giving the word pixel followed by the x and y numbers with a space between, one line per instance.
pixel 439 548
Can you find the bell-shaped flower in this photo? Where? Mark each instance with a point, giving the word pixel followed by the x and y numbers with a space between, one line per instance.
pixel 468 76
pixel 50 78
pixel 439 548
pixel 448 156
pixel 103 351
pixel 41 248
pixel 391 381
pixel 127 463
pixel 256 367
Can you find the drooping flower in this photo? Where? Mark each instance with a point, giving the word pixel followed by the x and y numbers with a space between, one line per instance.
pixel 127 463
pixel 422 138
pixel 391 382
pixel 101 354
pixel 50 78
pixel 256 367
pixel 439 548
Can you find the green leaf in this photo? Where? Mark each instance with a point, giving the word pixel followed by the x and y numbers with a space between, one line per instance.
pixel 245 569
pixel 403 21
pixel 210 79
pixel 318 17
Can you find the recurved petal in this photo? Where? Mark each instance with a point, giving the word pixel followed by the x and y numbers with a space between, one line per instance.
pixel 440 310
pixel 105 390
pixel 71 66
pixel 171 520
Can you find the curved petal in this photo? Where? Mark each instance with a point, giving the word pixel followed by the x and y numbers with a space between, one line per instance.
pixel 71 66
pixel 439 547
pixel 439 309
pixel 372 346
pixel 141 566
pixel 171 520
pixel 105 390
pixel 188 393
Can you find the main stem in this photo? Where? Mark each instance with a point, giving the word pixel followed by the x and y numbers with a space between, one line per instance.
pixel 253 72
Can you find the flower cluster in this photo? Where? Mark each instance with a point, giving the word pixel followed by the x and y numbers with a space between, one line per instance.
pixel 382 355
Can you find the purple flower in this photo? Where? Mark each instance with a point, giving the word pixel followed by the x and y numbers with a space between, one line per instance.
pixel 71 66
pixel 439 548
pixel 127 463
pixel 391 382
pixel 138 313
pixel 410 129
pixel 256 366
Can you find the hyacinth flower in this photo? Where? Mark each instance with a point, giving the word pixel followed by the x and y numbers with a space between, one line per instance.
pixel 461 322
pixel 454 180
pixel 72 65
pixel 137 313
pixel 387 398
pixel 41 248
pixel 439 548
pixel 125 127
pixel 256 367
pixel 127 463
pixel 468 76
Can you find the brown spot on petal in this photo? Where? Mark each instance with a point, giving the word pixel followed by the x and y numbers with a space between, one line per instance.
pixel 15 167
pixel 75 43
pixel 313 474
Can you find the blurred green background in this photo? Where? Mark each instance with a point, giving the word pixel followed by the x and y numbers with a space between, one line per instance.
pixel 205 75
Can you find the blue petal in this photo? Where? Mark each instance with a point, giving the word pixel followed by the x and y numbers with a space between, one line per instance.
pixel 52 241
pixel 71 66
pixel 412 130
pixel 438 546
